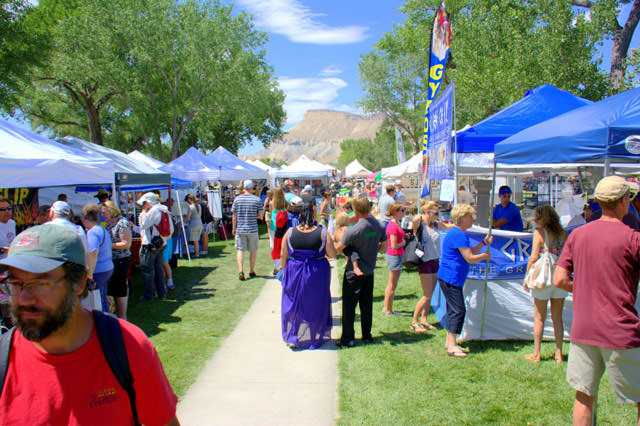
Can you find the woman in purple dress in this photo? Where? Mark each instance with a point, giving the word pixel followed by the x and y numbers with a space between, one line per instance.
pixel 306 297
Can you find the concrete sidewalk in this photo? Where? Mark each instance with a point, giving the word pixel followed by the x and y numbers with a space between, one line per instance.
pixel 254 379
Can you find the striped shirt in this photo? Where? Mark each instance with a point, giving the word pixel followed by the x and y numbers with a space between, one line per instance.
pixel 246 206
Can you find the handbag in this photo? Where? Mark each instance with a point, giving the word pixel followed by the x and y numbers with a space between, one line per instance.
pixel 410 258
pixel 540 274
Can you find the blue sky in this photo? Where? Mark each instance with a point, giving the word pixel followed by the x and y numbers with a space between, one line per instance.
pixel 315 47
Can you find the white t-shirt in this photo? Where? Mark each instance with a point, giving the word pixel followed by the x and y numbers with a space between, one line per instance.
pixel 7 234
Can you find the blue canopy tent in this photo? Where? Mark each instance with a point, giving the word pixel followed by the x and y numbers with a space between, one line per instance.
pixel 231 167
pixel 536 106
pixel 192 166
pixel 604 131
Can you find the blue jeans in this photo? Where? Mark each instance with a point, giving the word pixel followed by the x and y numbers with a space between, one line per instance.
pixel 102 281
pixel 152 271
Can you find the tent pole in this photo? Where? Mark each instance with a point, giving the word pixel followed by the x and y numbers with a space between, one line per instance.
pixel 184 233
pixel 486 268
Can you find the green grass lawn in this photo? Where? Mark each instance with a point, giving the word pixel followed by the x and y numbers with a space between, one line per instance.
pixel 208 302
pixel 407 378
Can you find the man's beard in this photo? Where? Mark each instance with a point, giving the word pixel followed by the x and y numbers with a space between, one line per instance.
pixel 52 322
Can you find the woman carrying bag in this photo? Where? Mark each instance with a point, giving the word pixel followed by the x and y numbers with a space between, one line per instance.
pixel 548 241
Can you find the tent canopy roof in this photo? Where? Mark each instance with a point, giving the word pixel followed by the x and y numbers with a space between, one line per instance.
pixel 192 165
pixel 304 167
pixel 537 105
pixel 128 171
pixel 28 159
pixel 411 166
pixel 355 168
pixel 604 129
pixel 139 156
pixel 231 167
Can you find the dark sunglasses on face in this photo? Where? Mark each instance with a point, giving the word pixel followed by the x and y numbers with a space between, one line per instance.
pixel 5 209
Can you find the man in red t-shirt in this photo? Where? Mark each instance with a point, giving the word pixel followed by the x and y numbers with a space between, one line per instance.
pixel 58 374
pixel 604 257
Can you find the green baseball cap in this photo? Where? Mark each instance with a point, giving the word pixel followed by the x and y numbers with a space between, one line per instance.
pixel 43 248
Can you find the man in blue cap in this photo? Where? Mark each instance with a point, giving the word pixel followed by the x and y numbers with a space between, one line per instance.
pixel 506 215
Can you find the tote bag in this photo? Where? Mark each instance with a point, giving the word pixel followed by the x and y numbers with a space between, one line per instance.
pixel 410 258
pixel 540 274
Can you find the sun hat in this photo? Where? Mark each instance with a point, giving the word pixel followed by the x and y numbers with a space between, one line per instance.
pixel 612 188
pixel 61 208
pixel 43 248
pixel 102 193
pixel 150 197
pixel 296 202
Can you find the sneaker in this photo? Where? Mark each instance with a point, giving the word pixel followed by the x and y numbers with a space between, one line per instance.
pixel 170 285
pixel 367 340
pixel 252 275
pixel 241 276
pixel 204 252
pixel 349 344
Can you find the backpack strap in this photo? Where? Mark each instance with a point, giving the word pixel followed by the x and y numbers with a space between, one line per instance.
pixel 112 343
pixel 5 347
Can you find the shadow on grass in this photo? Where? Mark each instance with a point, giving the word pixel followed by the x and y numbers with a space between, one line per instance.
pixel 478 346
pixel 150 316
pixel 402 337
pixel 380 298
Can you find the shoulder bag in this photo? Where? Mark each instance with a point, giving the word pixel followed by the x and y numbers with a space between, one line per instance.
pixel 540 274
pixel 410 258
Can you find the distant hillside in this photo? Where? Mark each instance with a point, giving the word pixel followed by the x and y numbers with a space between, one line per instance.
pixel 319 134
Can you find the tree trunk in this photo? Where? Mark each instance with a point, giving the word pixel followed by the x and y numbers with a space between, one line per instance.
pixel 621 40
pixel 93 119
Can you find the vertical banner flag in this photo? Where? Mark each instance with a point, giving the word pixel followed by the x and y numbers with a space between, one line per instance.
pixel 401 156
pixel 440 126
pixel 439 51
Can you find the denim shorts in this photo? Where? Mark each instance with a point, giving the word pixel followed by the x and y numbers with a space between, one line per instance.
pixel 394 262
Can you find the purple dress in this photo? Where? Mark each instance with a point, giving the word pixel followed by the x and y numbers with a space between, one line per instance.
pixel 306 297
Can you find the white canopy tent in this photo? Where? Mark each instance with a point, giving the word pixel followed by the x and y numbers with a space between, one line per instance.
pixel 411 166
pixel 138 156
pixel 28 159
pixel 272 171
pixel 304 167
pixel 354 168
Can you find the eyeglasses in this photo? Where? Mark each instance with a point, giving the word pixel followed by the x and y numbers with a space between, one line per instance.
pixel 35 288
pixel 401 210
pixel 5 209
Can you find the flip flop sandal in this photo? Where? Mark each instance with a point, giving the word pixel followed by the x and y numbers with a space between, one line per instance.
pixel 457 354
pixel 418 328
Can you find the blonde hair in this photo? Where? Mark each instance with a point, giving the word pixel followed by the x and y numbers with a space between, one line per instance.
pixel 342 219
pixel 429 205
pixel 393 208
pixel 461 210
pixel 113 209
pixel 361 204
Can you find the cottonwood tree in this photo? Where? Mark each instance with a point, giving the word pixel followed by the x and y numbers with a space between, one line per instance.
pixel 373 154
pixel 499 51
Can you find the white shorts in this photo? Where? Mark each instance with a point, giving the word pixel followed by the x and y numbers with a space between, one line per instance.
pixel 551 292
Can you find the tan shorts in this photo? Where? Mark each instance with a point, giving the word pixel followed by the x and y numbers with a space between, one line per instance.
pixel 247 242
pixel 587 364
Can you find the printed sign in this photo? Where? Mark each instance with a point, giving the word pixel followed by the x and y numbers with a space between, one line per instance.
pixel 24 202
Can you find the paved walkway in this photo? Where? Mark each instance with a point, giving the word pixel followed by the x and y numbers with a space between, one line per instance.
pixel 254 379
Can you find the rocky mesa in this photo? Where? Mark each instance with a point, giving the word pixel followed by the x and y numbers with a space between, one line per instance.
pixel 319 134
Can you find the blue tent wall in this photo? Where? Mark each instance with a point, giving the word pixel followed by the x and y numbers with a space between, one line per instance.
pixel 537 105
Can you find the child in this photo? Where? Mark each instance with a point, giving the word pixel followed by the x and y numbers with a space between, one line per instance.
pixel 342 222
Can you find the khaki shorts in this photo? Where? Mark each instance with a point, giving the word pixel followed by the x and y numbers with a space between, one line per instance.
pixel 587 364
pixel 247 242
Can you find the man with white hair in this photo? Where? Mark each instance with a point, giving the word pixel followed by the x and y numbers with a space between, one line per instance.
pixel 246 209
pixel 60 214
pixel 152 245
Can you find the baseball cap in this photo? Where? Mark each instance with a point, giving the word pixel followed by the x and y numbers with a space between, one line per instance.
pixel 248 184
pixel 61 207
pixel 150 197
pixel 307 188
pixel 611 188
pixel 296 202
pixel 504 190
pixel 43 248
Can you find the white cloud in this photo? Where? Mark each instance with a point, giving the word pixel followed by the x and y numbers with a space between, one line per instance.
pixel 330 71
pixel 303 94
pixel 296 22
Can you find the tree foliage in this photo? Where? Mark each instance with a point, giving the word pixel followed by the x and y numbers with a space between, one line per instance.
pixel 499 51
pixel 154 75
pixel 373 154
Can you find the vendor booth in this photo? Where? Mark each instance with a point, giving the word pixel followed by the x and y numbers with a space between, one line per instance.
pixel 355 169
pixel 304 169
pixel 271 171
pixel 232 168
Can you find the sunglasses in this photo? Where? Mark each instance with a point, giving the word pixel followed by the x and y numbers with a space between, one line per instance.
pixel 5 209
pixel 402 210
